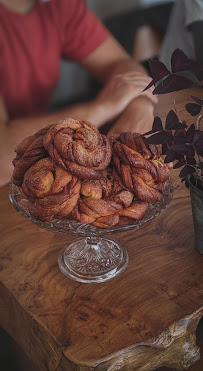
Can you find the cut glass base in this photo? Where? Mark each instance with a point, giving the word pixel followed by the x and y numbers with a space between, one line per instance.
pixel 93 259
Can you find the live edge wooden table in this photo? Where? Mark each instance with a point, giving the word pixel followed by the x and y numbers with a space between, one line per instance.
pixel 141 320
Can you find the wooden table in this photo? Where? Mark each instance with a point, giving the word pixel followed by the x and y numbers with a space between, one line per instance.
pixel 140 320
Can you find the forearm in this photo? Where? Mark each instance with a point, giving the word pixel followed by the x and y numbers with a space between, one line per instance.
pixel 110 59
pixel 139 115
pixel 127 65
pixel 14 131
pixel 18 129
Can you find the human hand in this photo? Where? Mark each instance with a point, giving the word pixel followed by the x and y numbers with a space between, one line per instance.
pixel 138 117
pixel 120 90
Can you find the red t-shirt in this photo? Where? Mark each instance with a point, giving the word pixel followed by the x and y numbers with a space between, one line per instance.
pixel 31 46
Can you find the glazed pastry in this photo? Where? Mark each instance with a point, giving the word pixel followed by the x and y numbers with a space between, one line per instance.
pixel 104 202
pixel 51 190
pixel 77 146
pixel 29 151
pixel 99 188
pixel 136 211
pixel 138 166
pixel 91 210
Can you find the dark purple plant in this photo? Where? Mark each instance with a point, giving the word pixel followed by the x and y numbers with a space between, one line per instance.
pixel 181 144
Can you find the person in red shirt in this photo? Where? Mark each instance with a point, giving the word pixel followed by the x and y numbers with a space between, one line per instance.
pixel 34 35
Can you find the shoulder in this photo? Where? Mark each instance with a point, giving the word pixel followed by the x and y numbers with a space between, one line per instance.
pixel 81 32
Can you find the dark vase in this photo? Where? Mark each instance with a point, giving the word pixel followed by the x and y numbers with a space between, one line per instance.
pixel 197 213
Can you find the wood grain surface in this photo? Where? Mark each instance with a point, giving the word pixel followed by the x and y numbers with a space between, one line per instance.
pixel 141 320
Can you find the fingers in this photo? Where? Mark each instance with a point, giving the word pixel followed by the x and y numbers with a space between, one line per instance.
pixel 135 79
pixel 170 165
pixel 138 81
pixel 133 73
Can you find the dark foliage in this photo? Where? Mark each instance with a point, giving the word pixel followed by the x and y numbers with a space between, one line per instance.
pixel 166 81
pixel 180 144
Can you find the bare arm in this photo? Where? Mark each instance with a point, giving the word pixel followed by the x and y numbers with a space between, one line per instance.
pixel 109 59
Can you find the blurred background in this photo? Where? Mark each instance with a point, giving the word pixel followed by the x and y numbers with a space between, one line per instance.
pixel 122 18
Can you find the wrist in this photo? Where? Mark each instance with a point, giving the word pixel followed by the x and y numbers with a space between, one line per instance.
pixel 101 112
pixel 89 111
pixel 143 101
pixel 141 104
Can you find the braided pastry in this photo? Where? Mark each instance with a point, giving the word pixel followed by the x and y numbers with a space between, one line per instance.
pixel 104 203
pixel 98 188
pixel 92 204
pixel 50 189
pixel 135 212
pixel 30 150
pixel 138 166
pixel 77 146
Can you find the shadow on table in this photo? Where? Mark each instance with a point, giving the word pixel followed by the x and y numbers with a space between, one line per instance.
pixel 12 358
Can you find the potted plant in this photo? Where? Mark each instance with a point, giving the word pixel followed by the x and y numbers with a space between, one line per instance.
pixel 181 144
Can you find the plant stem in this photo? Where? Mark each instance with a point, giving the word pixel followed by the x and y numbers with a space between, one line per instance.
pixel 198 122
pixel 175 108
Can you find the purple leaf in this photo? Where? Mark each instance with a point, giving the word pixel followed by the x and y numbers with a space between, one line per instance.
pixel 198 134
pixel 158 72
pixel 180 62
pixel 179 137
pixel 158 69
pixel 179 156
pixel 198 144
pixel 198 100
pixel 179 164
pixel 164 148
pixel 193 108
pixel 172 122
pixel 149 86
pixel 160 138
pixel 190 133
pixel 170 156
pixel 190 152
pixel 199 151
pixel 173 83
pixel 184 149
pixel 157 126
pixel 190 160
pixel 186 170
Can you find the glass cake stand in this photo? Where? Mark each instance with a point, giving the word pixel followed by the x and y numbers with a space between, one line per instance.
pixel 91 258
